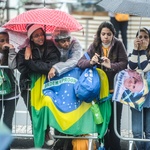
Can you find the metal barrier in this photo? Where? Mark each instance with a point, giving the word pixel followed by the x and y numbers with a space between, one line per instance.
pixel 126 130
pixel 22 126
pixel 128 136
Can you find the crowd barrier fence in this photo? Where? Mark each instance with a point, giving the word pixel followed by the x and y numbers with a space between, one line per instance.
pixel 22 126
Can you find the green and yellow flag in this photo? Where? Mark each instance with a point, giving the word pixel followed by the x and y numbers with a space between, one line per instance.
pixel 60 109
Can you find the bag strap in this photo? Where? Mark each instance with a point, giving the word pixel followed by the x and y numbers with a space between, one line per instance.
pixel 1 119
pixel 139 65
pixel 87 56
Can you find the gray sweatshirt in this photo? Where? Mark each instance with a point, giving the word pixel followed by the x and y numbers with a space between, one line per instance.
pixel 69 58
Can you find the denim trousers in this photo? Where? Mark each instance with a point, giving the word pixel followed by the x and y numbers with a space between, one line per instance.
pixel 141 127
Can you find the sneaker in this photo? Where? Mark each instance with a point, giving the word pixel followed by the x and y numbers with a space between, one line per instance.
pixel 49 139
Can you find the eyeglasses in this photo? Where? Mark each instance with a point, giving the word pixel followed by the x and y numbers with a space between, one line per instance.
pixel 4 40
pixel 38 35
pixel 145 37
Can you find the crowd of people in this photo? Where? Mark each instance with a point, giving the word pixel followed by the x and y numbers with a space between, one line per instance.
pixel 62 53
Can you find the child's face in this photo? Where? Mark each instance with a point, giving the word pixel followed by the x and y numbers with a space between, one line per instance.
pixel 3 39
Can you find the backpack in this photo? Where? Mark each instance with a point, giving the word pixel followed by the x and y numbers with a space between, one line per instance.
pixel 121 17
pixel 87 88
pixel 5 84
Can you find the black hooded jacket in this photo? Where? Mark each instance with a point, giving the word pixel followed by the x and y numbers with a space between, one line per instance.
pixel 40 62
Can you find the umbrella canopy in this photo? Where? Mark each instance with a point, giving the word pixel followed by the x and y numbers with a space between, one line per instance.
pixel 132 7
pixel 50 18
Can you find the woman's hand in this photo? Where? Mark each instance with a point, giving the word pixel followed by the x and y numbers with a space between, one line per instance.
pixel 94 59
pixel 106 62
pixel 137 44
pixel 140 44
pixel 28 53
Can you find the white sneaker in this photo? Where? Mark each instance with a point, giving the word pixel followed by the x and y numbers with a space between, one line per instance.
pixel 49 139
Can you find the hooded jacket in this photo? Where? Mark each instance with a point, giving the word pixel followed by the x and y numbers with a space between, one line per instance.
pixel 40 63
pixel 69 58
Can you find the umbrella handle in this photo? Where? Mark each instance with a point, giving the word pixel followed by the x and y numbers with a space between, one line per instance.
pixel 139 26
pixel 139 29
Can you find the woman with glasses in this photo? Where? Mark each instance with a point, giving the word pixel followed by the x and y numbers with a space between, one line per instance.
pixel 139 60
pixel 44 56
pixel 112 53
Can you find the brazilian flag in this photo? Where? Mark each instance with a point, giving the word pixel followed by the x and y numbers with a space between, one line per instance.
pixel 54 104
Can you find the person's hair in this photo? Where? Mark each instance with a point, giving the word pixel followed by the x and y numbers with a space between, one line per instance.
pixel 97 39
pixel 143 30
pixel 60 34
pixel 3 31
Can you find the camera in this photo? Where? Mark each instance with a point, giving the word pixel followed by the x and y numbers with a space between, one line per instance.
pixel 100 60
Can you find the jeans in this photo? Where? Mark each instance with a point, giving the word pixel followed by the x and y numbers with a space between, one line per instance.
pixel 141 129
pixel 122 27
pixel 111 141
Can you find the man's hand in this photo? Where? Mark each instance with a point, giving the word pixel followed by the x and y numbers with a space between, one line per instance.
pixel 51 73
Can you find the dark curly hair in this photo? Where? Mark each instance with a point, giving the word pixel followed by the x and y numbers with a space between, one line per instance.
pixel 97 40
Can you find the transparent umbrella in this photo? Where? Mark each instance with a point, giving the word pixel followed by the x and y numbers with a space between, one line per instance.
pixel 132 7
